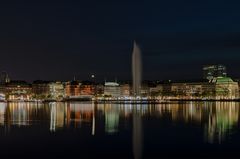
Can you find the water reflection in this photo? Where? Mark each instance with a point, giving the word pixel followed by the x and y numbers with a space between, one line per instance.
pixel 217 120
pixel 137 132
pixel 57 119
pixel 3 107
pixel 70 115
pixel 221 120
pixel 111 118
pixel 24 114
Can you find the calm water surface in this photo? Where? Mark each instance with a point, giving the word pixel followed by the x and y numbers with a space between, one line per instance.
pixel 87 130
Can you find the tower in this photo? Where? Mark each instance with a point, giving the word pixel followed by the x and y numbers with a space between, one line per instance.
pixel 4 78
pixel 211 71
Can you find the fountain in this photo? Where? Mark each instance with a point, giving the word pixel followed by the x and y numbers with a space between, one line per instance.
pixel 136 70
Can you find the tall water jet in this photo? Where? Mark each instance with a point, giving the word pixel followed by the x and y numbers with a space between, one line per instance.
pixel 136 70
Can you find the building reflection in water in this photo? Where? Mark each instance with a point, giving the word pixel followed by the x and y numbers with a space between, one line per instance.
pixel 3 107
pixel 24 114
pixel 70 115
pixel 217 119
pixel 221 120
pixel 57 115
pixel 111 118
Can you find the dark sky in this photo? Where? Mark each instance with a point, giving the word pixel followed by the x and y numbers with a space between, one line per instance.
pixel 59 39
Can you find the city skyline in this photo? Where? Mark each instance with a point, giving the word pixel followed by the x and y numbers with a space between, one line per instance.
pixel 60 40
pixel 120 79
pixel 208 72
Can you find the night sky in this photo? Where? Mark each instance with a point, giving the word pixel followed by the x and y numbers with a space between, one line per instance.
pixel 60 39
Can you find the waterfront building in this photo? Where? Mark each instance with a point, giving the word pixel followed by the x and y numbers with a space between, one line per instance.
pixel 87 88
pixel 125 90
pixel 99 91
pixel 226 88
pixel 145 91
pixel 194 89
pixel 187 89
pixel 212 71
pixel 156 91
pixel 40 89
pixel 56 91
pixel 166 88
pixel 112 89
pixel 18 90
pixel 72 89
pixel 148 88
pixel 217 88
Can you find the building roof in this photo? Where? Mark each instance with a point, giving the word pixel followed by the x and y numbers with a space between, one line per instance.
pixel 41 82
pixel 112 84
pixel 222 80
pixel 87 83
pixel 17 83
pixel 74 83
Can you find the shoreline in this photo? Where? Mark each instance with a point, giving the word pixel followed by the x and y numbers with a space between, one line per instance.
pixel 149 101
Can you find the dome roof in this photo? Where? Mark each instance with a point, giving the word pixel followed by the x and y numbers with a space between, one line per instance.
pixel 223 80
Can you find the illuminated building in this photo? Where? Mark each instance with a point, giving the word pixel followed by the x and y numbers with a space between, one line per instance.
pixel 226 88
pixel 112 89
pixel 72 89
pixel 99 89
pixel 211 71
pixel 166 88
pixel 217 88
pixel 56 90
pixel 40 89
pixel 156 91
pixel 87 88
pixel 144 91
pixel 125 90
pixel 18 90
pixel 147 87
pixel 194 89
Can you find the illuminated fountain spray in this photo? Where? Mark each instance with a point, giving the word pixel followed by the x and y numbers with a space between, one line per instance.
pixel 136 70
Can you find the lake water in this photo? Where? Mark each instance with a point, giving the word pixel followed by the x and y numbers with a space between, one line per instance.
pixel 88 130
